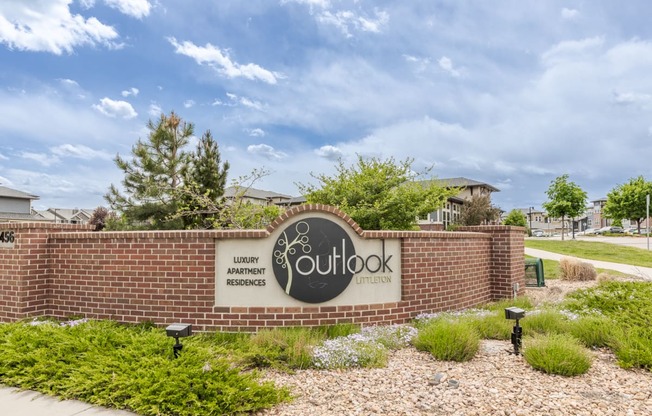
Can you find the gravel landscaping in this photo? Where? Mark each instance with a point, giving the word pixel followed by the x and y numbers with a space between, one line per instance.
pixel 495 382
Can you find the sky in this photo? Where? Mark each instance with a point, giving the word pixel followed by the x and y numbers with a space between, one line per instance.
pixel 513 93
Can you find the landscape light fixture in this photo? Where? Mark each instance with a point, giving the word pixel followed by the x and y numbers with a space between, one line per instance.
pixel 515 314
pixel 178 331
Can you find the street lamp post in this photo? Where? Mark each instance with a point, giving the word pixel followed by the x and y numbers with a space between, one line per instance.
pixel 647 220
pixel 530 217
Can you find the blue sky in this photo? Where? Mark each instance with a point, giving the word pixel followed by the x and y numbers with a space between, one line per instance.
pixel 512 93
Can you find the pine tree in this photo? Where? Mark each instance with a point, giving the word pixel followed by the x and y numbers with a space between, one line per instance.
pixel 153 175
pixel 205 180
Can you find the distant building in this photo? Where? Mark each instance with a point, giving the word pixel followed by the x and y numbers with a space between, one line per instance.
pixel 16 205
pixel 260 197
pixel 538 219
pixel 450 213
pixel 65 215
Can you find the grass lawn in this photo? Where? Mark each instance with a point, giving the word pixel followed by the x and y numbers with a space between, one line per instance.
pixel 595 251
pixel 551 269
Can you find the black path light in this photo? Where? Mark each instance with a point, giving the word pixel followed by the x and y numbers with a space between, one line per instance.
pixel 178 331
pixel 516 314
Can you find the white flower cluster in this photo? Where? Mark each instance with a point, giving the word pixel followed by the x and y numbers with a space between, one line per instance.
pixel 70 323
pixel 423 318
pixel 358 350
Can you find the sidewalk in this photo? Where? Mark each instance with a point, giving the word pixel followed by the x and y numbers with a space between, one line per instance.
pixel 16 402
pixel 644 273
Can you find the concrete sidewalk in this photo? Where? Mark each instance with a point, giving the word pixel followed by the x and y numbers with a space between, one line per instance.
pixel 644 273
pixel 16 402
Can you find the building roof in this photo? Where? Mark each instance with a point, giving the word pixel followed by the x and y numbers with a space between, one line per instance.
pixel 232 191
pixel 464 183
pixel 12 193
pixel 15 216
pixel 66 214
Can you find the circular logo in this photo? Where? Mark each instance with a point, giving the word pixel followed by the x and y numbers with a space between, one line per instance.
pixel 314 260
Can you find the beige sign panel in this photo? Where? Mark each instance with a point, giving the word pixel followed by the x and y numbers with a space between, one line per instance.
pixel 313 258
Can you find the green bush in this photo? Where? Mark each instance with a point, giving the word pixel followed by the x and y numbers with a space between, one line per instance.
pixel 629 305
pixel 522 302
pixel 559 354
pixel 449 340
pixel 133 368
pixel 290 347
pixel 492 325
pixel 545 321
pixel 635 350
pixel 596 331
pixel 339 330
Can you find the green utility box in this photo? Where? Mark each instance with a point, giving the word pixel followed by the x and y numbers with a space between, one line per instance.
pixel 534 273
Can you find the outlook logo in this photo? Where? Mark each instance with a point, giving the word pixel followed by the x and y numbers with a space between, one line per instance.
pixel 315 260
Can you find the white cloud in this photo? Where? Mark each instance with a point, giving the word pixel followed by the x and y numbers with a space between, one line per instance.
pixel 215 58
pixel 113 108
pixel 133 8
pixel 374 25
pixel 49 26
pixel 69 82
pixel 188 103
pixel 155 110
pixel 131 91
pixel 627 98
pixel 256 132
pixel 63 151
pixel 571 50
pixel 347 21
pixel 266 151
pixel 3 157
pixel 41 158
pixel 447 65
pixel 569 14
pixel 420 65
pixel 72 87
pixel 329 152
pixel 319 3
pixel 256 105
pixel 80 152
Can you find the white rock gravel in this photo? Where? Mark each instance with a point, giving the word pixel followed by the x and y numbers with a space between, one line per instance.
pixel 495 382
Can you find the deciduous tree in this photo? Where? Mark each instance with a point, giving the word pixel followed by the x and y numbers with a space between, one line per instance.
pixel 628 201
pixel 378 194
pixel 478 210
pixel 565 199
pixel 516 217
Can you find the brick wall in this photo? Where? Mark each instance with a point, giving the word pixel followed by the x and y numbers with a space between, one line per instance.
pixel 169 276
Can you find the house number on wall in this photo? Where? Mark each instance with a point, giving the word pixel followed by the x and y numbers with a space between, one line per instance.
pixel 7 239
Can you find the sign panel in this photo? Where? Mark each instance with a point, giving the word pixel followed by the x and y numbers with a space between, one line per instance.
pixel 314 258
pixel 7 238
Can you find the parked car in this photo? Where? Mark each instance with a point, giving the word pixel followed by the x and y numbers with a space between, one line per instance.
pixel 538 233
pixel 611 230
pixel 636 230
pixel 588 231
